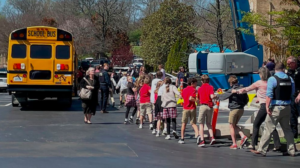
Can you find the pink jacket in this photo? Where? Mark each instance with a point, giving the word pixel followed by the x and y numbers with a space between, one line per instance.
pixel 261 89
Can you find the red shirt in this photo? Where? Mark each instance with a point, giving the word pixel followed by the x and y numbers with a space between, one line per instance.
pixel 155 97
pixel 204 93
pixel 145 94
pixel 186 93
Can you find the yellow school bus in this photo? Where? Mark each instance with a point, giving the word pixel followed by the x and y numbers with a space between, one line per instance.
pixel 41 63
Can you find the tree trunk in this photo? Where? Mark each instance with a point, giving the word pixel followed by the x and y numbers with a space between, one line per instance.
pixel 219 29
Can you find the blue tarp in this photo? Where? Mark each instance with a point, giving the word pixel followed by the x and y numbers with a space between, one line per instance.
pixel 210 48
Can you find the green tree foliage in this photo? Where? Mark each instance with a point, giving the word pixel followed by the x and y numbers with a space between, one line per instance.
pixel 184 54
pixel 178 55
pixel 284 31
pixel 135 36
pixel 160 30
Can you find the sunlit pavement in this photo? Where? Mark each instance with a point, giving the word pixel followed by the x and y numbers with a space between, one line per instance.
pixel 43 135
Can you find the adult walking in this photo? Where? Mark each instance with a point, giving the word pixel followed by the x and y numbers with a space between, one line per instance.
pixel 105 86
pixel 162 70
pixel 89 106
pixel 294 73
pixel 280 88
pixel 182 75
pixel 271 65
pixel 261 88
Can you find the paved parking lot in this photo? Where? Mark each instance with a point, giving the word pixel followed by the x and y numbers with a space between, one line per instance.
pixel 44 135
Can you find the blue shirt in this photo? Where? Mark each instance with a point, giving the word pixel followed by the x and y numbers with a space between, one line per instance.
pixel 272 83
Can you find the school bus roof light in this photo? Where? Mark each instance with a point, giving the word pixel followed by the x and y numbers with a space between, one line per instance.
pixel 19 34
pixel 22 35
pixel 63 35
pixel 15 35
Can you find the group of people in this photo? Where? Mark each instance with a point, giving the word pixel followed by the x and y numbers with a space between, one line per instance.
pixel 278 95
pixel 156 101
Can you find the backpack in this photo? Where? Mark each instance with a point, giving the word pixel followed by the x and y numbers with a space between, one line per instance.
pixel 245 99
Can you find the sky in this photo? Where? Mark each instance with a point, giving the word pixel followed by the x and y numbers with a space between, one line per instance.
pixel 2 2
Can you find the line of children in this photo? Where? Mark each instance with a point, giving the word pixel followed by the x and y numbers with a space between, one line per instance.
pixel 164 95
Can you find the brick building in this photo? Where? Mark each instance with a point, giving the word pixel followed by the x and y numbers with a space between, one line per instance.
pixel 3 60
pixel 263 7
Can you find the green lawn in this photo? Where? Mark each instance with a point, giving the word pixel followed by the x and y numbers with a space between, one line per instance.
pixel 136 50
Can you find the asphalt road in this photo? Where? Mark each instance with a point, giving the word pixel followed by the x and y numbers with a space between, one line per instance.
pixel 44 135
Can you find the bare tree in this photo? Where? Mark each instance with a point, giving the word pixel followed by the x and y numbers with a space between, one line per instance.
pixel 107 17
pixel 215 23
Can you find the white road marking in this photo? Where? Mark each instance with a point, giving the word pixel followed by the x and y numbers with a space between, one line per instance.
pixel 8 104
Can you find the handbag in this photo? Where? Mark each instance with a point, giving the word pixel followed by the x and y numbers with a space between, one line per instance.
pixel 85 94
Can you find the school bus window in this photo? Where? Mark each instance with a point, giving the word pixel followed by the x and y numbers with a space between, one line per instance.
pixel 41 51
pixel 62 52
pixel 18 51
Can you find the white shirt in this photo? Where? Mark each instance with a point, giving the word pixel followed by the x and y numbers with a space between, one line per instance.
pixel 164 74
pixel 123 83
pixel 153 87
pixel 161 90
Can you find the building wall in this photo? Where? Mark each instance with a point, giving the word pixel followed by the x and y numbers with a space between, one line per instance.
pixel 3 60
pixel 263 7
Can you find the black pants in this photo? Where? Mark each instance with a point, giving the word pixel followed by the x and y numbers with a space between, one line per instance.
pixel 128 110
pixel 295 109
pixel 169 125
pixel 103 97
pixel 259 119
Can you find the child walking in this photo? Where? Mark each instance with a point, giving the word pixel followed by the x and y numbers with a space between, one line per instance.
pixel 157 109
pixel 130 100
pixel 236 105
pixel 145 104
pixel 138 85
pixel 189 108
pixel 169 104
pixel 205 96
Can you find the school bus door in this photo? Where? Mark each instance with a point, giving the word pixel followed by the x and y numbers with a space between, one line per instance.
pixel 41 64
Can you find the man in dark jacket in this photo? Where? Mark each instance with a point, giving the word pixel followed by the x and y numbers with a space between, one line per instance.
pixel 105 86
pixel 236 105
